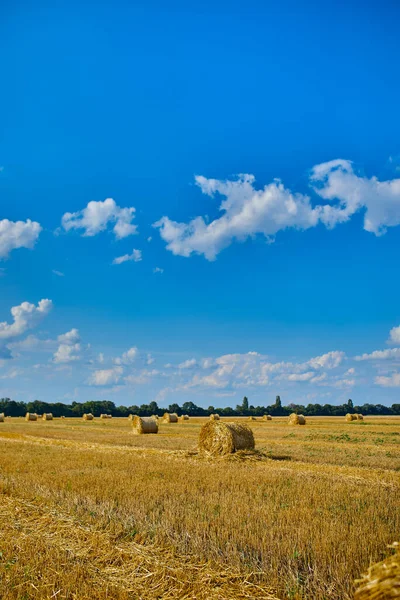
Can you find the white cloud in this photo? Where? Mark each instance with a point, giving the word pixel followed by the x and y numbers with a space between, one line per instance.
pixel 391 381
pixel 127 357
pixel 106 376
pixel 248 211
pixel 142 377
pixel 58 273
pixel 17 234
pixel 337 180
pixel 344 383
pixel 136 256
pixel 394 336
pixel 67 353
pixel 149 359
pixel 318 378
pixel 69 348
pixel 158 270
pixel 330 360
pixel 300 376
pixel 188 364
pixel 25 316
pixel 380 354
pixel 350 371
pixel 71 337
pixel 98 215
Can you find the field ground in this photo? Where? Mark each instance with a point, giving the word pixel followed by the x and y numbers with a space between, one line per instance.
pixel 89 511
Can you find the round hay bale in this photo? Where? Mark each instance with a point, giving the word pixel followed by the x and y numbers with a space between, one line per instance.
pixel 47 416
pixel 30 417
pixel 88 417
pixel 1 417
pixel 62 417
pixel 267 418
pixel 349 417
pixel 155 417
pixel 382 582
pixel 103 416
pixel 142 425
pixel 130 417
pixel 296 419
pixel 218 438
pixel 252 419
pixel 359 417
pixel 170 418
pixel 215 417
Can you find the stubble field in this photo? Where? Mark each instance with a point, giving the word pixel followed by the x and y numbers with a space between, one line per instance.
pixel 90 511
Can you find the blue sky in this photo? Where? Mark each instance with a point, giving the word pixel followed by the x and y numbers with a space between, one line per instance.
pixel 240 284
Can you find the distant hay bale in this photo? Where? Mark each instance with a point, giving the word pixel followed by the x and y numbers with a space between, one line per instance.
pixel 155 417
pixel 252 419
pixel 349 417
pixel 382 582
pixel 103 416
pixel 218 438
pixel 1 417
pixel 215 417
pixel 359 417
pixel 183 418
pixel 62 417
pixel 267 418
pixel 170 418
pixel 142 425
pixel 296 419
pixel 47 416
pixel 88 417
pixel 30 417
pixel 130 417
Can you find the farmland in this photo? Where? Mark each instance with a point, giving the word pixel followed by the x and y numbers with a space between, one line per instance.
pixel 89 510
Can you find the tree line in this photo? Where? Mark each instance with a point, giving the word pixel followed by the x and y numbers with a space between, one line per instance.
pixel 77 409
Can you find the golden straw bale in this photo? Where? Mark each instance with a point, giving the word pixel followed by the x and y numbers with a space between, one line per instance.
pixel 62 417
pixel 219 438
pixel 30 417
pixel 103 416
pixel 88 417
pixel 252 419
pixel 47 416
pixel 267 418
pixel 1 417
pixel 155 417
pixel 215 417
pixel 296 419
pixel 349 417
pixel 170 418
pixel 382 582
pixel 144 425
pixel 359 417
pixel 130 417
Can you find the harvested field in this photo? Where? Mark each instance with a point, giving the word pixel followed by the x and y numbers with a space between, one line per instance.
pixel 300 518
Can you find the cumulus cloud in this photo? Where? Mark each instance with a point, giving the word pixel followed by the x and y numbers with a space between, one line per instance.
pixel 300 376
pixel 127 357
pixel 394 336
pixel 58 273
pixel 248 211
pixel 158 270
pixel 136 256
pixel 391 381
pixel 69 348
pixel 25 316
pixel 17 234
pixel 106 376
pixel 67 353
pixel 188 364
pixel 330 360
pixel 98 215
pixel 380 354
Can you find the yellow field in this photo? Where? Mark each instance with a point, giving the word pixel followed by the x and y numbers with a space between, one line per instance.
pixel 90 511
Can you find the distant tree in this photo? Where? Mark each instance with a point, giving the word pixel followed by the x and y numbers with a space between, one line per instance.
pixel 174 408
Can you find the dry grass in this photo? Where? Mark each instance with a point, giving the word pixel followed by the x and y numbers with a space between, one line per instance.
pixel 382 582
pixel 108 517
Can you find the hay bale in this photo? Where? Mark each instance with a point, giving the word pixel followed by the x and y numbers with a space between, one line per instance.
pixel 30 417
pixel 155 417
pixel 382 582
pixel 349 417
pixel 142 425
pixel 215 417
pixel 267 418
pixel 62 417
pixel 252 419
pixel 103 416
pixel 359 417
pixel 170 418
pixel 88 417
pixel 47 416
pixel 218 438
pixel 1 417
pixel 296 419
pixel 130 417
